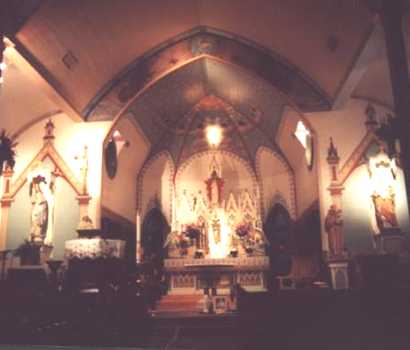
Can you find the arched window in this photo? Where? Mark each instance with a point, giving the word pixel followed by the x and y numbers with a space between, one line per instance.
pixel 305 138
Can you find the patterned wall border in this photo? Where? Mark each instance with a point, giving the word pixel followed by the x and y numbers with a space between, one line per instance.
pixel 140 179
pixel 292 186
pixel 301 90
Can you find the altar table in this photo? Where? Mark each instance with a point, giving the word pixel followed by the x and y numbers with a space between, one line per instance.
pixel 186 275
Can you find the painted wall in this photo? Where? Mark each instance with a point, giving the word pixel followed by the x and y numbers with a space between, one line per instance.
pixel 276 182
pixel 119 194
pixel 156 185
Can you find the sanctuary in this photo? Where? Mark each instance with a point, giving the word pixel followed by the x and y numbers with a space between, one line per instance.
pixel 225 233
pixel 204 149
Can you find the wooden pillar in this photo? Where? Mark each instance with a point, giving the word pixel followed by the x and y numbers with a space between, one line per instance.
pixel 5 204
pixel 391 15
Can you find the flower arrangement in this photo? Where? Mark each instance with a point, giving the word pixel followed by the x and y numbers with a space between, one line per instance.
pixel 182 244
pixel 7 152
pixel 192 231
pixel 242 230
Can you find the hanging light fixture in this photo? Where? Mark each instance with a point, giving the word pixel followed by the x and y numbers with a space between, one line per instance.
pixel 214 135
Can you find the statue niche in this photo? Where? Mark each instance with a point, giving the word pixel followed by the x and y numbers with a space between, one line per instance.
pixel 42 192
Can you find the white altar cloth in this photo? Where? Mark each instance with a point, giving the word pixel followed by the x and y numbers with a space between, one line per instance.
pixel 94 248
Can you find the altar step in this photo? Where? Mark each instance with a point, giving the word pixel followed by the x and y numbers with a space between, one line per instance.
pixel 179 303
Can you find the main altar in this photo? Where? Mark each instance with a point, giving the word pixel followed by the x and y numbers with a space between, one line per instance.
pixel 216 240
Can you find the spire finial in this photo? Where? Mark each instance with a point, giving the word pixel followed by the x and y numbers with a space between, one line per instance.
pixel 49 128
pixel 332 151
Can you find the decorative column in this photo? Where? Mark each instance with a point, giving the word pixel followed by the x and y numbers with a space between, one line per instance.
pixel 5 201
pixel 138 250
pixel 337 257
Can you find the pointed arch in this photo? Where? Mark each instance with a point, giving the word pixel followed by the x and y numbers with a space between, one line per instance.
pixel 278 196
pixel 142 176
pixel 278 225
pixel 155 229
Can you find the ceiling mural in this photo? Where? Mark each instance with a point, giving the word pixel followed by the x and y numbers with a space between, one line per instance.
pixel 203 42
pixel 174 112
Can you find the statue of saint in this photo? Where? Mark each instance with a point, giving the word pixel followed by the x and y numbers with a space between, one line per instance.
pixel 216 230
pixel 382 182
pixel 333 227
pixel 41 190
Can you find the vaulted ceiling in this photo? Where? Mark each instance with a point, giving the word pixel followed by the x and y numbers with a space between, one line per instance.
pixel 104 58
pixel 99 39
pixel 174 112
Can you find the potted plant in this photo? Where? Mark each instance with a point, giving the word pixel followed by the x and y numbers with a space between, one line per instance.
pixel 192 231
pixel 7 152
pixel 29 253
pixel 242 230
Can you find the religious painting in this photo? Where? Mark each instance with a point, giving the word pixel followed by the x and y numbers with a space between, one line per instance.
pixel 382 173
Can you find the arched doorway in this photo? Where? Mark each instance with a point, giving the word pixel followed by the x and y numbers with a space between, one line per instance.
pixel 155 229
pixel 277 229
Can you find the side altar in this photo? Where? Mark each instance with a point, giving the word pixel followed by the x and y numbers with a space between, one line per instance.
pixel 216 241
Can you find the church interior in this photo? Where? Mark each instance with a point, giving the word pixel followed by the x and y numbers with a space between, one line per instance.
pixel 195 173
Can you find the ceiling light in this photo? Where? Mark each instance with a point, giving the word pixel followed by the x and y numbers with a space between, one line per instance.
pixel 214 135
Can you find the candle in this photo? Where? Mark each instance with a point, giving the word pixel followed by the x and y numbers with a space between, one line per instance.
pixel 138 240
